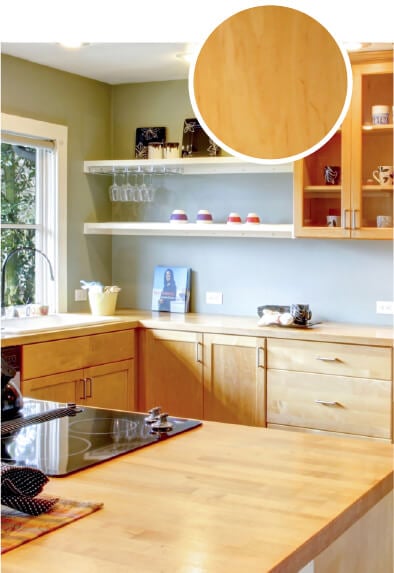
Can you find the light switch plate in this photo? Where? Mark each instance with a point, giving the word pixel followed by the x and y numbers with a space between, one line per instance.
pixel 384 307
pixel 214 297
pixel 80 294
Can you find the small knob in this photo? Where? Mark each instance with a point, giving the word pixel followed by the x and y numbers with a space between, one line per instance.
pixel 162 424
pixel 154 414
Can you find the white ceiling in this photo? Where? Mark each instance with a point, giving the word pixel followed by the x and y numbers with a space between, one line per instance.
pixel 112 63
pixel 117 63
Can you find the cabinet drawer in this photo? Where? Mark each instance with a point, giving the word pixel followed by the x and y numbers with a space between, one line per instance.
pixel 334 403
pixel 47 358
pixel 330 358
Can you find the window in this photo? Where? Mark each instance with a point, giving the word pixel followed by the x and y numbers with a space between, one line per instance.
pixel 33 212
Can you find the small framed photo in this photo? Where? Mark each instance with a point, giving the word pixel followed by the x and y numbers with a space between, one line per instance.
pixel 171 289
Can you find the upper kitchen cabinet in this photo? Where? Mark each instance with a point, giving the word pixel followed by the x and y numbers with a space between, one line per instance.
pixel 342 190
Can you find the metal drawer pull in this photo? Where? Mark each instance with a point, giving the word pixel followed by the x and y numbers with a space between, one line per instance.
pixel 327 403
pixel 327 359
pixel 198 357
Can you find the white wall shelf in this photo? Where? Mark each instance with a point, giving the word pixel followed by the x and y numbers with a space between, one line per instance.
pixel 281 231
pixel 187 166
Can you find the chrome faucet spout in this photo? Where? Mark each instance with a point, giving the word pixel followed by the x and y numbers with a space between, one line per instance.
pixel 4 267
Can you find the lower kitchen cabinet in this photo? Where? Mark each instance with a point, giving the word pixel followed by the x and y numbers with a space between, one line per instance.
pixel 106 386
pixel 341 388
pixel 210 376
pixel 170 372
pixel 234 379
pixel 95 370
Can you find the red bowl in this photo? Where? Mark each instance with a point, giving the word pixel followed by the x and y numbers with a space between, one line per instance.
pixel 234 218
pixel 253 218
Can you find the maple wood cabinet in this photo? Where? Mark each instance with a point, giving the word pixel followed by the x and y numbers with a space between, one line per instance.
pixel 342 388
pixel 357 149
pixel 95 370
pixel 211 376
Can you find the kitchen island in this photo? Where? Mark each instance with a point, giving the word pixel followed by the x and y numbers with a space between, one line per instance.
pixel 227 498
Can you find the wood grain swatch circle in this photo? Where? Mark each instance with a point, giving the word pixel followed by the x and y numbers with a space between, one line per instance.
pixel 270 83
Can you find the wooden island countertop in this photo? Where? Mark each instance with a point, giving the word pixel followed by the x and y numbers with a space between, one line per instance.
pixel 224 498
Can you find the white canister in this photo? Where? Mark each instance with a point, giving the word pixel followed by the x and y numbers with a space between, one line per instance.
pixel 171 150
pixel 155 151
pixel 380 114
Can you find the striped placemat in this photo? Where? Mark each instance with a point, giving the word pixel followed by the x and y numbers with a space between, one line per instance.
pixel 18 528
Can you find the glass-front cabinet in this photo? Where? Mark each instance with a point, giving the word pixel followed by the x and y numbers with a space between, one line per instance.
pixel 345 189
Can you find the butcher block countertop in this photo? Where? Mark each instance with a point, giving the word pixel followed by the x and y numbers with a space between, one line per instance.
pixel 221 324
pixel 220 498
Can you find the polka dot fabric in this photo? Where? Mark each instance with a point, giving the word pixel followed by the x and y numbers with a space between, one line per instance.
pixel 19 487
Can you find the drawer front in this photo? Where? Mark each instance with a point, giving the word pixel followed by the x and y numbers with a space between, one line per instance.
pixel 334 403
pixel 47 358
pixel 110 347
pixel 330 358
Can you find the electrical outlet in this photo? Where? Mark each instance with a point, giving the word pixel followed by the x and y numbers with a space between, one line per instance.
pixel 385 307
pixel 214 297
pixel 80 294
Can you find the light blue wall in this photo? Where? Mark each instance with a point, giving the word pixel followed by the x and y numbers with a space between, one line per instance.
pixel 340 279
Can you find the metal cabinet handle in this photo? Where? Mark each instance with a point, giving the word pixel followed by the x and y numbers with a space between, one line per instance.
pixel 327 358
pixel 258 354
pixel 198 354
pixel 89 385
pixel 346 224
pixel 327 403
pixel 354 219
pixel 83 397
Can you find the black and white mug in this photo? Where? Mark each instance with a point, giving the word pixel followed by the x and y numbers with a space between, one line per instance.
pixel 301 313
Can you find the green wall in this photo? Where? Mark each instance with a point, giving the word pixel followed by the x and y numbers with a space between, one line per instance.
pixel 84 105
pixel 145 105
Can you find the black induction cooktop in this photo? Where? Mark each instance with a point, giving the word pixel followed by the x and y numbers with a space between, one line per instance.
pixel 68 444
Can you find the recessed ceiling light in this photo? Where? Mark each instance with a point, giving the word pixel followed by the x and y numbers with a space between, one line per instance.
pixel 355 46
pixel 73 44
pixel 185 56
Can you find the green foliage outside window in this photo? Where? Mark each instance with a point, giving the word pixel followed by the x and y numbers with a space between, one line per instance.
pixel 18 206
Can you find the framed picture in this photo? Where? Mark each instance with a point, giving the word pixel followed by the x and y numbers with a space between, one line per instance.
pixel 146 135
pixel 195 142
pixel 171 289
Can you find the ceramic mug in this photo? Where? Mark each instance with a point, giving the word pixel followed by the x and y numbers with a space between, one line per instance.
pixel 384 221
pixel 332 174
pixel 383 174
pixel 380 114
pixel 301 313
pixel 333 221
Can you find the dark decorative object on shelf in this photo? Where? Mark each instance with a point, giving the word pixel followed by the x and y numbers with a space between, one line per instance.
pixel 146 135
pixel 195 142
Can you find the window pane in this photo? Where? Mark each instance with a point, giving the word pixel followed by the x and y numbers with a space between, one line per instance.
pixel 20 271
pixel 18 184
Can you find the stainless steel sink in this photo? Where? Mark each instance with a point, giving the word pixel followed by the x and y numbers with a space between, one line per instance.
pixel 61 320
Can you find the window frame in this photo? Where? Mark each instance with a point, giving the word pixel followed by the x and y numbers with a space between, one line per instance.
pixel 55 247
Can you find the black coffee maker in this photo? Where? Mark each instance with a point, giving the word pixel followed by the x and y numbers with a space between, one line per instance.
pixel 11 397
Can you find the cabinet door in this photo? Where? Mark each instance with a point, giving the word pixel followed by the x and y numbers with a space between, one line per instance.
pixel 234 379
pixel 314 199
pixel 355 198
pixel 109 386
pixel 170 372
pixel 372 146
pixel 56 388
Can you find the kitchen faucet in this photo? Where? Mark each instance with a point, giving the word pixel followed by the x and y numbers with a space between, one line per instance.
pixel 3 269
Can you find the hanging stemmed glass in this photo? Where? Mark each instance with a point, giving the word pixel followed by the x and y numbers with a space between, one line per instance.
pixel 114 190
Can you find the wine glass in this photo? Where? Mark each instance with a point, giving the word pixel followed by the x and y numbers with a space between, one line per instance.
pixel 114 190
